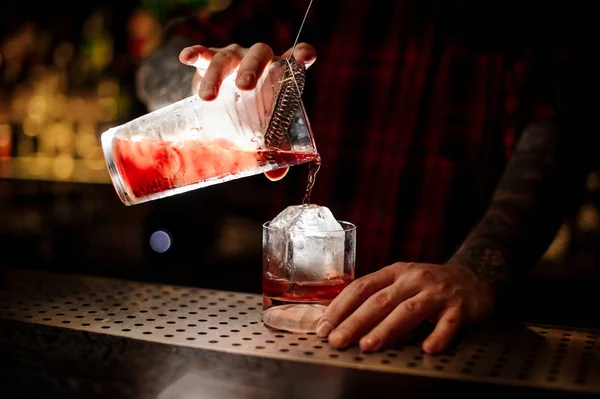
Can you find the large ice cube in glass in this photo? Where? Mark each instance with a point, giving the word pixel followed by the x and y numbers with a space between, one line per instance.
pixel 308 243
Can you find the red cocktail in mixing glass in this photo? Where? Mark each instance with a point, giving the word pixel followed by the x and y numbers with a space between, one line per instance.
pixel 194 143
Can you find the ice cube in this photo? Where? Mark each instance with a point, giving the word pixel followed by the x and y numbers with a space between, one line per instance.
pixel 310 245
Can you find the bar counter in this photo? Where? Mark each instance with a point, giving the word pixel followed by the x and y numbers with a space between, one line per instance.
pixel 70 336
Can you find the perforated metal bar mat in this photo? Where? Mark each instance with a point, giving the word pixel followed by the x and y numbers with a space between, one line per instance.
pixel 522 355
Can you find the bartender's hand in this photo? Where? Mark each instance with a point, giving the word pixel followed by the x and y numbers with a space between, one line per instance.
pixel 214 64
pixel 217 63
pixel 384 307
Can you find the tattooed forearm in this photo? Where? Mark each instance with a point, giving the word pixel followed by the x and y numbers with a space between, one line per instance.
pixel 485 261
pixel 525 211
pixel 162 79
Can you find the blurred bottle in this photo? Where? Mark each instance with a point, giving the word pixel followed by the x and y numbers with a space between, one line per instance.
pixel 96 45
pixel 5 141
pixel 145 33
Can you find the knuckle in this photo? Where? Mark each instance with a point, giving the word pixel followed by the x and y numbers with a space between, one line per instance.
pixel 361 286
pixel 442 287
pixel 263 48
pixel 395 265
pixel 234 47
pixel 224 55
pixel 395 268
pixel 383 300
pixel 412 306
pixel 423 275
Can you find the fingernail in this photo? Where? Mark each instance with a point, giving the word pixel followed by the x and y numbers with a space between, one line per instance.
pixel 188 55
pixel 246 79
pixel 340 337
pixel 323 329
pixel 208 91
pixel 369 343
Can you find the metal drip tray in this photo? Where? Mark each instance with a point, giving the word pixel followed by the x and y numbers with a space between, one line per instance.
pixel 522 355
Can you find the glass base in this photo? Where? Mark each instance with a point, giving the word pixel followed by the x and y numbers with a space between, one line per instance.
pixel 295 317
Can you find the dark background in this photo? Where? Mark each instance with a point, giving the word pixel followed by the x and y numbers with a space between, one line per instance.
pixel 67 74
pixel 79 62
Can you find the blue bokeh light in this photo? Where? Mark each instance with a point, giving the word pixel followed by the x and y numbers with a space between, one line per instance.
pixel 160 241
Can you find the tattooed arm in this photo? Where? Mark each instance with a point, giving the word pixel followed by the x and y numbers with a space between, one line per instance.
pixel 527 208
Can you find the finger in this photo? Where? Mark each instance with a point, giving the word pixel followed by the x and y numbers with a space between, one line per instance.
pixel 444 332
pixel 404 318
pixel 223 63
pixel 409 281
pixel 371 313
pixel 253 64
pixel 304 53
pixel 198 56
pixel 351 297
pixel 196 81
pixel 277 174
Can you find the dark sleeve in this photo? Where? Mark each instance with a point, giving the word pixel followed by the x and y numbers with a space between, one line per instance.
pixel 545 175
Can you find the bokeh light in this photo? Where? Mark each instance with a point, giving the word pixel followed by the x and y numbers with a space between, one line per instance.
pixel 160 241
